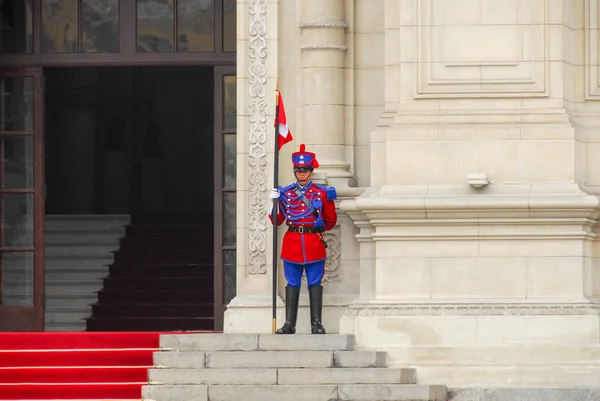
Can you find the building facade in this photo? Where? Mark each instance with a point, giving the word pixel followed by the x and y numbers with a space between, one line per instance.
pixel 461 136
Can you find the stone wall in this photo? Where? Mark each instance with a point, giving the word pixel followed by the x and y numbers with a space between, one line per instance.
pixel 473 282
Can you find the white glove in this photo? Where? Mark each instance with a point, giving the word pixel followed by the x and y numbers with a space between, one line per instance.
pixel 274 194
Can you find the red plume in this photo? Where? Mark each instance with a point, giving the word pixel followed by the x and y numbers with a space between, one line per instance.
pixel 302 148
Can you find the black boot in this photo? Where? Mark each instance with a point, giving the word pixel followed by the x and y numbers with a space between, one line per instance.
pixel 316 306
pixel 292 296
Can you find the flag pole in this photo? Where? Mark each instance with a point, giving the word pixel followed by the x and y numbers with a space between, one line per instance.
pixel 275 210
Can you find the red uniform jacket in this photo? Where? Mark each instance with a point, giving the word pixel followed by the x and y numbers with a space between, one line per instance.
pixel 305 247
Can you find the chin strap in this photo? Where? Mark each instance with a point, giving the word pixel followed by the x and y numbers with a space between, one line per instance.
pixel 307 180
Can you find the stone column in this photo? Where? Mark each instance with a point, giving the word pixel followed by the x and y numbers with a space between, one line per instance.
pixel 319 69
pixel 250 310
pixel 323 46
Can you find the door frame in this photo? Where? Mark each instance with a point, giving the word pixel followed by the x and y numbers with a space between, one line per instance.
pixel 127 54
pixel 219 132
pixel 37 312
pixel 30 318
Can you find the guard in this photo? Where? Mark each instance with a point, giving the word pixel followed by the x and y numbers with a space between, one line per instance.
pixel 309 211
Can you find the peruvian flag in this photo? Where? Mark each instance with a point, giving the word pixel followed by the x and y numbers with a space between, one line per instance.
pixel 285 135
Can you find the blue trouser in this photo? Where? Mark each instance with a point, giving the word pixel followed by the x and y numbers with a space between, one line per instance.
pixel 314 273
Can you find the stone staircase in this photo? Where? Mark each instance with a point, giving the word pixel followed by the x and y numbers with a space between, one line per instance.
pixel 79 249
pixel 265 367
pixel 161 278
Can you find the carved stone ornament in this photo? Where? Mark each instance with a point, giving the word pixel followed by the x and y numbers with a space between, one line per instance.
pixel 334 254
pixel 257 152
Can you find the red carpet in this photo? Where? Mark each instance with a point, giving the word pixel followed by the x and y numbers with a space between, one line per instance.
pixel 75 366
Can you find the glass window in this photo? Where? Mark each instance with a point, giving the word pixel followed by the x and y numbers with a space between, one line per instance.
pixel 229 160
pixel 229 102
pixel 99 26
pixel 229 276
pixel 17 278
pixel 229 25
pixel 229 218
pixel 16 30
pixel 195 25
pixel 16 152
pixel 60 26
pixel 16 228
pixel 16 104
pixel 154 26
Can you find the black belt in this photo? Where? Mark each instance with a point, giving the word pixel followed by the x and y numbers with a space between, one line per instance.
pixel 304 229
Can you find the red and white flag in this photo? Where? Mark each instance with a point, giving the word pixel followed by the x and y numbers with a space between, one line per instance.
pixel 285 135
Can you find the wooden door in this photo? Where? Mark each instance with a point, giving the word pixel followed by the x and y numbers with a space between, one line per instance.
pixel 225 190
pixel 21 200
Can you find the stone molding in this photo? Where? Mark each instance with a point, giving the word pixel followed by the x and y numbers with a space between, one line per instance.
pixel 257 151
pixel 474 309
pixel 392 204
pixel 592 50
pixel 323 47
pixel 324 24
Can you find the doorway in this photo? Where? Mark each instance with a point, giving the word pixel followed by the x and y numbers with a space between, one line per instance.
pixel 110 140
pixel 129 140
pixel 141 141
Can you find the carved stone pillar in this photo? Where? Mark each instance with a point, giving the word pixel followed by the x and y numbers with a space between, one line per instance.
pixel 250 310
pixel 324 49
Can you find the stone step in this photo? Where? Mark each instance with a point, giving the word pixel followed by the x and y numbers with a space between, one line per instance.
pixel 67 315
pixel 300 376
pixel 527 393
pixel 368 392
pixel 63 236
pixel 212 376
pixel 68 287
pixel 270 359
pixel 256 342
pixel 76 303
pixel 494 355
pixel 86 222
pixel 346 376
pixel 89 274
pixel 76 268
pixel 70 301
pixel 95 260
pixel 82 248
pixel 515 375
pixel 65 326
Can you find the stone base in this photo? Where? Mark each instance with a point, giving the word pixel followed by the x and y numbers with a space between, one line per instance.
pixel 484 344
pixel 202 367
pixel 254 315
pixel 524 394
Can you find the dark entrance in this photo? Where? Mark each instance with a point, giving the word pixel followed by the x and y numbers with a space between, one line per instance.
pixel 139 141
pixel 106 53
pixel 130 140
